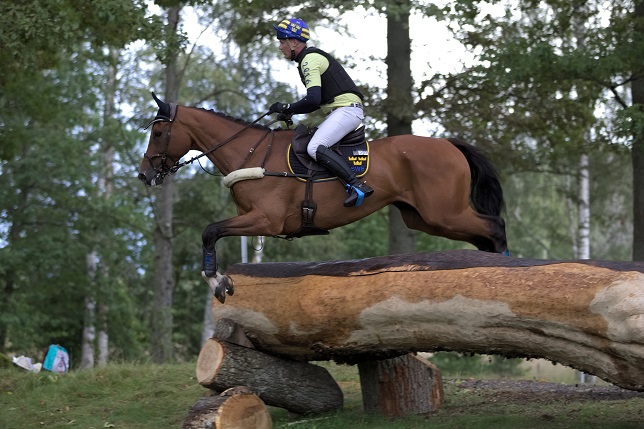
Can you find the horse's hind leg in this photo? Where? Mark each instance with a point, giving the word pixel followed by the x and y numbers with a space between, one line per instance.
pixel 497 240
pixel 485 232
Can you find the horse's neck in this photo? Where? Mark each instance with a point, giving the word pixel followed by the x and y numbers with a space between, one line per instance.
pixel 226 142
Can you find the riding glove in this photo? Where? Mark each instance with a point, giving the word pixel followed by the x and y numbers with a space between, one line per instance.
pixel 279 108
pixel 286 118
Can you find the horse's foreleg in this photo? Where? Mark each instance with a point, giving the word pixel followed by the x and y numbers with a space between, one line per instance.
pixel 219 284
pixel 248 224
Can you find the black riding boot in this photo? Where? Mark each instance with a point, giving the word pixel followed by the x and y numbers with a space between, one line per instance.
pixel 332 161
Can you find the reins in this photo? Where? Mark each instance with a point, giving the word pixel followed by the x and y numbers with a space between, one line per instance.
pixel 177 165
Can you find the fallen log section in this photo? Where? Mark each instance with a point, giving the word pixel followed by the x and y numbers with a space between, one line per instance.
pixel 299 387
pixel 237 407
pixel 585 314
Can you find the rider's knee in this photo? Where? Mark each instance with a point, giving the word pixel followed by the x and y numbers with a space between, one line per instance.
pixel 312 150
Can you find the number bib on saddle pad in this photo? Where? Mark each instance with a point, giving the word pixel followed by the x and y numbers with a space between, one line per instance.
pixel 353 148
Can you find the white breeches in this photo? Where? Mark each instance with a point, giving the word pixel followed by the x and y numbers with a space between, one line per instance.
pixel 337 124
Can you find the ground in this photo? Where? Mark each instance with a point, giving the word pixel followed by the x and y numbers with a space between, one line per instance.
pixel 528 391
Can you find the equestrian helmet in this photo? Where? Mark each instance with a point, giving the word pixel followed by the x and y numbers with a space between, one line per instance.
pixel 293 28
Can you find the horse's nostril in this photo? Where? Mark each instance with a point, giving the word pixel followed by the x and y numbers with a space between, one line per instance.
pixel 142 177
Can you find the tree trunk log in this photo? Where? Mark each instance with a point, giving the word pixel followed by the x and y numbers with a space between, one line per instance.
pixel 399 386
pixel 585 314
pixel 237 408
pixel 299 387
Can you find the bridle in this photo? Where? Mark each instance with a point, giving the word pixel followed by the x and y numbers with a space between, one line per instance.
pixel 163 170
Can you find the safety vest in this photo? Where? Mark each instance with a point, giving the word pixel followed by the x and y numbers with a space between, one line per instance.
pixel 335 80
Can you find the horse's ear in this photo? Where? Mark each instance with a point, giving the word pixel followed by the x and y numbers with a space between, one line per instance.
pixel 159 102
pixel 166 110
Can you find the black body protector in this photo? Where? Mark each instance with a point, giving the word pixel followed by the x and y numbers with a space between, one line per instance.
pixel 335 80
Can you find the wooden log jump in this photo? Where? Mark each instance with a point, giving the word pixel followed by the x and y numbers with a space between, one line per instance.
pixel 588 315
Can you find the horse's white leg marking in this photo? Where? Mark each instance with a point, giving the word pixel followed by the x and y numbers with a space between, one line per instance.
pixel 220 285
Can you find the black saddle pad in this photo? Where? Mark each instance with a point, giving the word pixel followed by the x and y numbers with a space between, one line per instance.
pixel 353 148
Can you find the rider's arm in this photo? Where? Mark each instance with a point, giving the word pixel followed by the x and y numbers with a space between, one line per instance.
pixel 309 103
pixel 312 66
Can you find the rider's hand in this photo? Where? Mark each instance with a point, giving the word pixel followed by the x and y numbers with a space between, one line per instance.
pixel 278 107
pixel 285 117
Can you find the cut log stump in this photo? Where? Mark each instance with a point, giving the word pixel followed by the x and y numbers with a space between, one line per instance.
pixel 235 408
pixel 403 385
pixel 299 387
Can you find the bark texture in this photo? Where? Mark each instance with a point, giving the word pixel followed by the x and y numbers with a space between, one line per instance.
pixel 585 314
pixel 237 408
pixel 299 387
pixel 403 385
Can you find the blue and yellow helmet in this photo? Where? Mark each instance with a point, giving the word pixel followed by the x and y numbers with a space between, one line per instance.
pixel 293 28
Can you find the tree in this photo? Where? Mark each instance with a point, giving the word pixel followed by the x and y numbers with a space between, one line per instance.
pixel 34 39
pixel 636 116
pixel 49 75
pixel 164 279
pixel 399 106
pixel 533 99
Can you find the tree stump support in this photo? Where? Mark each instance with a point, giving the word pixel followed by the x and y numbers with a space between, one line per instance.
pixel 403 385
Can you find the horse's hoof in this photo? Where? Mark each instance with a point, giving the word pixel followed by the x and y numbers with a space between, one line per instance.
pixel 217 285
pixel 220 292
pixel 230 286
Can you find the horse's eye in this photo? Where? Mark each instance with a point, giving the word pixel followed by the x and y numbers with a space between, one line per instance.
pixel 157 133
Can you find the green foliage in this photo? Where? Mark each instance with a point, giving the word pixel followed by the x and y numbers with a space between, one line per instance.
pixel 532 104
pixel 38 38
pixel 457 365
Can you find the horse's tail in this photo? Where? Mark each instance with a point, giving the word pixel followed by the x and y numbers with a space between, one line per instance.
pixel 486 193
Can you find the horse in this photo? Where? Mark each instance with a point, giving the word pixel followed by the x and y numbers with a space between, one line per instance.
pixel 442 186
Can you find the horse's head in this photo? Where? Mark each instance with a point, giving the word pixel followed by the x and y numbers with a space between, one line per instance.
pixel 164 148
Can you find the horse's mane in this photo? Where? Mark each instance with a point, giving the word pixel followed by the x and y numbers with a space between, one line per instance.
pixel 233 119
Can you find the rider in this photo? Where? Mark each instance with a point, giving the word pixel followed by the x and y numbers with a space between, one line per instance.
pixel 330 88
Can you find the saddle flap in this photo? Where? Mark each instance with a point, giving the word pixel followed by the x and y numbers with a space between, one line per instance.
pixel 353 148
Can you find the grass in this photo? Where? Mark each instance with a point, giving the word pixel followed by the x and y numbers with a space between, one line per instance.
pixel 129 396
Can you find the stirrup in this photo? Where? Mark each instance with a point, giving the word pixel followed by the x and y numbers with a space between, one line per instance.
pixel 356 195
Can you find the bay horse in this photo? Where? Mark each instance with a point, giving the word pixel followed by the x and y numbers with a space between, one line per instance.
pixel 442 187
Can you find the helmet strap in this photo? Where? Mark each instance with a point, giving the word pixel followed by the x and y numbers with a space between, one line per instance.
pixel 292 50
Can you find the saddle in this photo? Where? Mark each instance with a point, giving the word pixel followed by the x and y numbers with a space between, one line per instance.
pixel 353 147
